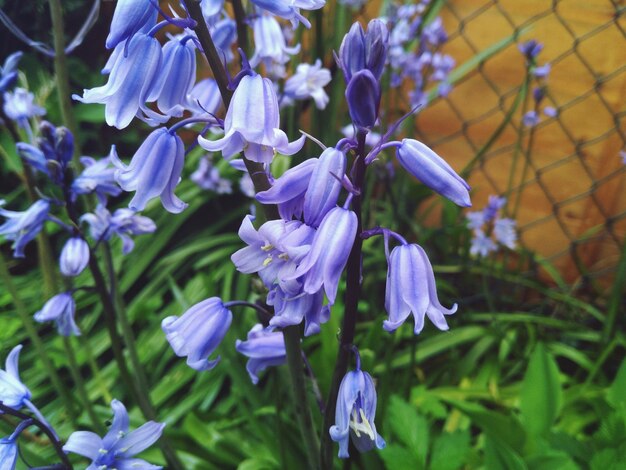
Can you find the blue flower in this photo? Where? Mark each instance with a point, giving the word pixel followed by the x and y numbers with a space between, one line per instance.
pixel 364 50
pixel 411 288
pixel 130 17
pixel 309 82
pixel 153 171
pixel 8 453
pixel 60 309
pixel 131 83
pixel 433 171
pixel 265 348
pixel 13 393
pixel 494 204
pixel 19 106
pixel 224 34
pixel 252 124
pixel 355 414
pixel 481 244
pixel 504 232
pixel 22 227
pixel 97 177
pixel 291 308
pixel 74 257
pixel 117 448
pixel 57 144
pixel 204 98
pixel 211 9
pixel 290 9
pixel 530 49
pixel 33 157
pixel 176 76
pixel 269 42
pixel 324 263
pixel 8 72
pixel 208 177
pixel 123 223
pixel 198 332
pixel 363 97
pixel 324 186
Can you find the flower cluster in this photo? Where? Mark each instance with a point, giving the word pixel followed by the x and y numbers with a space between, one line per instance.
pixel 530 50
pixel 489 228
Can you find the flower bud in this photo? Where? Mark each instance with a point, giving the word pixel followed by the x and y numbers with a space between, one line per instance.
pixel 376 44
pixel 363 96
pixel 352 51
pixel 74 257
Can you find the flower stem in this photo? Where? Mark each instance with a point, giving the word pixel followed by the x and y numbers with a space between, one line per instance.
pixel 61 70
pixel 66 464
pixel 261 183
pixel 33 335
pixel 353 292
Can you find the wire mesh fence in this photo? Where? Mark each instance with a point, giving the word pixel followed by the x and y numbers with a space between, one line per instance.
pixel 564 177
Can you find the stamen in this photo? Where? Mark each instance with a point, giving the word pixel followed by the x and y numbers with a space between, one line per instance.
pixel 267 261
pixel 267 247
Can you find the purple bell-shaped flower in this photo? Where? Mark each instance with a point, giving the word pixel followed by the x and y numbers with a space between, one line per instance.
pixel 153 171
pixel 252 124
pixel 60 309
pixel 74 257
pixel 265 348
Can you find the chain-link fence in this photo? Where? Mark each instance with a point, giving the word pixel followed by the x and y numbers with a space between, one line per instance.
pixel 565 177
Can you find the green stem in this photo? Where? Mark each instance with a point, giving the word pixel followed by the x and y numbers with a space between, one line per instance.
pixel 127 331
pixel 34 337
pixel 261 183
pixel 61 71
pixel 80 386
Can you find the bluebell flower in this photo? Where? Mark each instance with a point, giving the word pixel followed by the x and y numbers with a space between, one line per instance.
pixel 8 453
pixel 494 204
pixel 176 76
pixel 434 32
pixel 481 244
pixel 13 393
pixel 273 251
pixel 224 34
pixel 352 51
pixel 265 348
pixel 97 177
pixel 198 332
pixel 154 171
pixel 60 309
pixel 211 10
pixel 355 414
pixel 22 227
pixel 269 42
pixel 33 157
pixel 130 17
pixel 363 97
pixel 324 186
pixel 8 72
pixel 74 257
pixel 376 46
pixel 257 133
pixel 504 232
pixel 541 71
pixel 550 111
pixel 19 106
pixel 290 9
pixel 288 191
pixel 309 82
pixel 530 49
pixel 204 98
pixel 116 450
pixel 208 177
pixel 475 219
pixel 131 83
pixel 433 171
pixel 57 144
pixel 411 288
pixel 122 223
pixel 530 118
pixel 323 264
pixel 362 50
pixel 292 308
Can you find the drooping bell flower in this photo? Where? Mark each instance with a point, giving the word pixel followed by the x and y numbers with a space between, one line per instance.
pixel 269 42
pixel 252 124
pixel 33 157
pixel 211 10
pixel 74 257
pixel 60 309
pixel 13 393
pixel 131 83
pixel 97 177
pixel 198 332
pixel 123 223
pixel 265 348
pixel 363 97
pixel 57 144
pixel 324 263
pixel 292 308
pixel 224 35
pixel 119 446
pixel 432 170
pixel 324 186
pixel 355 414
pixel 154 171
pixel 204 98
pixel 22 227
pixel 176 77
pixel 290 9
pixel 8 452
pixel 411 289
pixel 130 16
pixel 309 82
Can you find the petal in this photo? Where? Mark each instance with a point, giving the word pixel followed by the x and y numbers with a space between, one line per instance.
pixel 139 439
pixel 85 443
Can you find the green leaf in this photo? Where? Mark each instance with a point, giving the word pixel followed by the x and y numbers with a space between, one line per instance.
pixel 499 455
pixel 450 450
pixel 541 396
pixel 409 427
pixel 616 394
pixel 397 457
pixel 552 460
